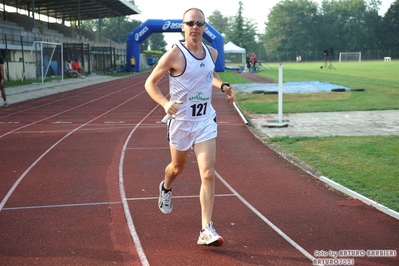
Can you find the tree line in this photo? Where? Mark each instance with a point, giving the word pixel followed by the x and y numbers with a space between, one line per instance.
pixel 303 25
pixel 292 25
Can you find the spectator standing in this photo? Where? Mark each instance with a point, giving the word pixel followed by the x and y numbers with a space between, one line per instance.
pixel 248 61
pixel 3 83
pixel 151 62
pixel 133 64
pixel 254 61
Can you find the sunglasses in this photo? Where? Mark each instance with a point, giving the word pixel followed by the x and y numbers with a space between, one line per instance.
pixel 191 23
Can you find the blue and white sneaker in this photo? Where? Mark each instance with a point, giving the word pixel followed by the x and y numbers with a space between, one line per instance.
pixel 165 200
pixel 209 237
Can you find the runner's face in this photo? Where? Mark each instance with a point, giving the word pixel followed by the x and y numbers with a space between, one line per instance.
pixel 195 31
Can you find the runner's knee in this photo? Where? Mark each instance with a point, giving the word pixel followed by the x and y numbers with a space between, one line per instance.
pixel 176 169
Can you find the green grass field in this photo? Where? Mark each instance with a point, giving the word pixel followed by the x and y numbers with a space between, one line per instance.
pixel 368 165
pixel 380 80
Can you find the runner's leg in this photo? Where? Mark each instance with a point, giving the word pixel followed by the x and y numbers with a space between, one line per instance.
pixel 206 157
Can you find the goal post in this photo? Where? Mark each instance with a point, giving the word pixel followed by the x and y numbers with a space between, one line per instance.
pixel 42 56
pixel 350 57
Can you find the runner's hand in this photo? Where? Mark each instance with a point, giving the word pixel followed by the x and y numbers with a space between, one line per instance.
pixel 171 108
pixel 231 94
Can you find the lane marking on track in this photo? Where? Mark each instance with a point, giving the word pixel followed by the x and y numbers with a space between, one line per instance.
pixel 152 148
pixel 65 111
pixel 60 206
pixel 19 180
pixel 128 215
pixel 261 216
pixel 180 197
pixel 106 86
pixel 100 203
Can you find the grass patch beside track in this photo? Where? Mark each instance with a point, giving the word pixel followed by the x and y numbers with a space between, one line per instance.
pixel 367 165
pixel 380 80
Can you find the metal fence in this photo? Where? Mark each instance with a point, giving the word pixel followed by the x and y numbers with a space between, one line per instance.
pixel 17 45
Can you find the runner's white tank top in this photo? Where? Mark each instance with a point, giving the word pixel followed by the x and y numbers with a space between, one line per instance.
pixel 194 86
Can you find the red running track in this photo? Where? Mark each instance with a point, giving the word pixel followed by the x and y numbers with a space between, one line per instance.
pixel 79 186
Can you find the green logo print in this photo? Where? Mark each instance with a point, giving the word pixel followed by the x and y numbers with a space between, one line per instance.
pixel 198 97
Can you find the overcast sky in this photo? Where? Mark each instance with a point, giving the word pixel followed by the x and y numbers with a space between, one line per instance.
pixel 174 9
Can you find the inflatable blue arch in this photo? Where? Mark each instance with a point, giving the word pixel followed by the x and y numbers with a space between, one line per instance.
pixel 150 26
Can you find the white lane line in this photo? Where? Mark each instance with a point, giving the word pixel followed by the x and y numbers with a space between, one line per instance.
pixel 180 197
pixel 65 111
pixel 12 189
pixel 60 206
pixel 152 148
pixel 260 215
pixel 100 203
pixel 63 99
pixel 128 215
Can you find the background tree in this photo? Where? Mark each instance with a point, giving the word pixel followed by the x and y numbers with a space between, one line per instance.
pixel 249 34
pixel 237 34
pixel 219 22
pixel 157 42
pixel 390 29
pixel 348 24
pixel 117 29
pixel 243 32
pixel 292 25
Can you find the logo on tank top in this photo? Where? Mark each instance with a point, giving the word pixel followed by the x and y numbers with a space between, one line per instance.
pixel 202 65
pixel 198 97
pixel 209 77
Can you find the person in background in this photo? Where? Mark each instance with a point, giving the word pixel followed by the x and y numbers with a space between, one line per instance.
pixel 190 117
pixel 76 66
pixel 151 62
pixel 69 67
pixel 254 61
pixel 3 83
pixel 248 61
pixel 133 64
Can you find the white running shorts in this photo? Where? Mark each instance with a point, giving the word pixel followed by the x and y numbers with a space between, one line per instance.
pixel 184 134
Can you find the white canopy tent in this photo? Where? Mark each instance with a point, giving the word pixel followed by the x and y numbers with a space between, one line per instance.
pixel 234 49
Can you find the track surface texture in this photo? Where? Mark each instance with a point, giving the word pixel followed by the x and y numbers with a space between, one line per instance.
pixel 80 172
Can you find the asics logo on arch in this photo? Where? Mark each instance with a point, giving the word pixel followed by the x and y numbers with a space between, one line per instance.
pixel 170 25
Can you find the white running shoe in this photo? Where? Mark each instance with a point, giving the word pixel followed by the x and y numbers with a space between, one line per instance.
pixel 210 237
pixel 165 200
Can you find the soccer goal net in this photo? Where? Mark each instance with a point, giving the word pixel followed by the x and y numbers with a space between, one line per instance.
pixel 45 59
pixel 350 57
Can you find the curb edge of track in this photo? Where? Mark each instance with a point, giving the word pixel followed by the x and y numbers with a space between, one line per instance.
pixel 338 187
